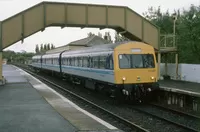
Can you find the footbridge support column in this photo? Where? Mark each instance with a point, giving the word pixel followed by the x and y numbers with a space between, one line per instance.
pixel 2 80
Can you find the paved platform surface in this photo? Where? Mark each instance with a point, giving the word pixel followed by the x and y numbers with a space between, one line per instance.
pixel 28 105
pixel 184 87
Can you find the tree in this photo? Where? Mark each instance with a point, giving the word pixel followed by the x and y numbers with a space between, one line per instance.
pixel 100 34
pixel 37 49
pixel 41 48
pixel 45 47
pixel 107 37
pixel 120 38
pixel 162 20
pixel 48 46
pixel 90 34
pixel 52 46
pixel 187 30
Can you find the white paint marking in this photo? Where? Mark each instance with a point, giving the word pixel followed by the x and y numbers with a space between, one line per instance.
pixel 180 91
pixel 70 102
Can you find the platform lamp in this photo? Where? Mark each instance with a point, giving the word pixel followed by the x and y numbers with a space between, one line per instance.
pixel 174 27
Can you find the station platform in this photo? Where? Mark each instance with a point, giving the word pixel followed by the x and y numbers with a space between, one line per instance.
pixel 182 87
pixel 26 104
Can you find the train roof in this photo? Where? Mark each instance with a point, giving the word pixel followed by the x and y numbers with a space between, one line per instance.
pixel 96 48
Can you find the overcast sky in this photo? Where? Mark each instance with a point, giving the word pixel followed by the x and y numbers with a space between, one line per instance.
pixel 60 37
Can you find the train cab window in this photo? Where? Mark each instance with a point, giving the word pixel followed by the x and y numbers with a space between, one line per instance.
pixel 96 62
pixel 124 61
pixel 148 60
pixel 102 62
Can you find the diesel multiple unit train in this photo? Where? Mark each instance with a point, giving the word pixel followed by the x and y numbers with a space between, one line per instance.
pixel 126 69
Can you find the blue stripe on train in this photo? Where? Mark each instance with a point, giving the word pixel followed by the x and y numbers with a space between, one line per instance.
pixel 82 69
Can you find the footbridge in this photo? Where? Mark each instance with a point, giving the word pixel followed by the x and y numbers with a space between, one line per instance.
pixel 46 14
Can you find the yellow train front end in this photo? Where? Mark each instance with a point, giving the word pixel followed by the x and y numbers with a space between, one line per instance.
pixel 135 69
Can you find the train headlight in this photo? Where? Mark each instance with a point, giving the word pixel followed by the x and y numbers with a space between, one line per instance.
pixel 152 78
pixel 123 78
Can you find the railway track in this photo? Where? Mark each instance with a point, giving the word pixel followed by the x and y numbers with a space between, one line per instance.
pixel 173 116
pixel 127 125
pixel 120 119
pixel 176 111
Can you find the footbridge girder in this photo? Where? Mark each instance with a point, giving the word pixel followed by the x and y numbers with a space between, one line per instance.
pixel 46 14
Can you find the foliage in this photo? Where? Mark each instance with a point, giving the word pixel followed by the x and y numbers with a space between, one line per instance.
pixel 43 48
pixel 107 36
pixel 12 56
pixel 187 30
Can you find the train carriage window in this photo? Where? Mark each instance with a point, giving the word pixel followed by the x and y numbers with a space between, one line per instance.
pixel 96 62
pixel 109 62
pixel 85 62
pixel 80 61
pixel 63 61
pixel 102 62
pixel 72 61
pixel 75 61
pixel 66 61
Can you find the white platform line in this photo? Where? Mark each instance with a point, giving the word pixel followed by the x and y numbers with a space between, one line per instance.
pixel 175 90
pixel 70 102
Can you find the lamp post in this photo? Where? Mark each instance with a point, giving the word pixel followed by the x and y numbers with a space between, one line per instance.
pixel 174 42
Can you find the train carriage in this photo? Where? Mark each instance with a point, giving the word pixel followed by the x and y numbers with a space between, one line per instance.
pixel 125 68
pixel 37 62
pixel 51 62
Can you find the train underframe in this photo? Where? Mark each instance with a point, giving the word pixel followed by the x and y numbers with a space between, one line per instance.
pixel 126 92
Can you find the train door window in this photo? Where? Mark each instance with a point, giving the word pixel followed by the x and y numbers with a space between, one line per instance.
pixel 91 62
pixel 96 62
pixel 102 61
pixel 111 62
pixel 88 61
